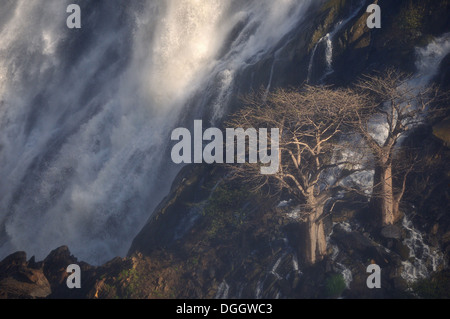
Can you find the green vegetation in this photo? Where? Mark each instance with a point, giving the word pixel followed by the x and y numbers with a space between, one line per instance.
pixel 110 292
pixel 130 278
pixel 194 261
pixel 156 294
pixel 411 20
pixel 128 274
pixel 335 286
pixel 225 209
pixel 436 287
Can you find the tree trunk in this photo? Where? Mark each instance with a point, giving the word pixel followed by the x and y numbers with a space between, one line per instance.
pixel 384 194
pixel 387 197
pixel 316 244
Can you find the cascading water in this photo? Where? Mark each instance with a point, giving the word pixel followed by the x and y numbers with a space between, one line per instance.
pixel 86 115
pixel 423 258
pixel 284 268
pixel 328 40
pixel 328 56
pixel 430 57
pixel 345 272
pixel 222 291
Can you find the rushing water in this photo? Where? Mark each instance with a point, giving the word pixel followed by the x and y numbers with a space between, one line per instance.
pixel 222 291
pixel 284 268
pixel 328 41
pixel 85 115
pixel 423 259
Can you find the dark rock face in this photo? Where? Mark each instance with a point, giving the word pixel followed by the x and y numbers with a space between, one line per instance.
pixel 19 280
pixel 22 279
pixel 54 266
pixel 172 215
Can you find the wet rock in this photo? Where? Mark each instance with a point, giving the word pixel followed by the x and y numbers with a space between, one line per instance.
pixel 160 230
pixel 391 232
pixel 402 250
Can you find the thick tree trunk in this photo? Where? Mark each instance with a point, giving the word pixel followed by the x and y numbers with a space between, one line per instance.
pixel 384 196
pixel 387 197
pixel 316 244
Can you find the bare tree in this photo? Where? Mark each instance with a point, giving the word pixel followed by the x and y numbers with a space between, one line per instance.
pixel 311 121
pixel 396 104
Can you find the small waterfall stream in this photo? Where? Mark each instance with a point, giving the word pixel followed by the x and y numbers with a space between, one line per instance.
pixel 328 41
pixel 222 292
pixel 423 259
pixel 285 266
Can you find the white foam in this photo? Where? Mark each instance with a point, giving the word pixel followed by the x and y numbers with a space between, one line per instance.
pixel 83 135
pixel 423 259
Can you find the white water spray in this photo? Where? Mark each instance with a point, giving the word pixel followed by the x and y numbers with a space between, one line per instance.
pixel 423 259
pixel 85 117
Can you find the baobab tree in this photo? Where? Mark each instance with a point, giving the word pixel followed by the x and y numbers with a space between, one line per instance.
pixel 394 105
pixel 311 122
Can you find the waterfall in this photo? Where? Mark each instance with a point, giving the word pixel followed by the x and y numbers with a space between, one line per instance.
pixel 222 291
pixel 273 271
pixel 259 289
pixel 328 55
pixel 328 40
pixel 295 264
pixel 328 58
pixel 346 274
pixel 283 269
pixel 86 115
pixel 430 57
pixel 423 259
pixel 270 79
pixel 311 61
